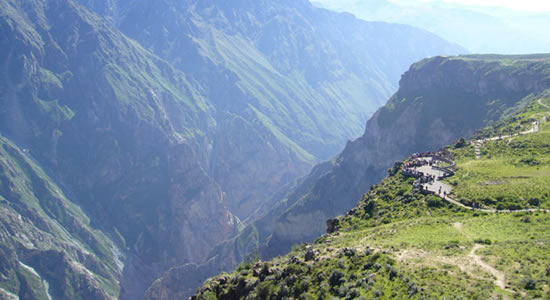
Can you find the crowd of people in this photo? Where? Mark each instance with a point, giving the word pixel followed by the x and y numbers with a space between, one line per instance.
pixel 417 160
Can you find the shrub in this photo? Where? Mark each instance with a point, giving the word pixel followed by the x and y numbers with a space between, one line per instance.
pixel 461 143
pixel 353 294
pixel 534 201
pixel 336 277
pixel 433 201
pixel 393 273
pixel 343 291
pixel 530 284
pixel 283 291
pixel 483 241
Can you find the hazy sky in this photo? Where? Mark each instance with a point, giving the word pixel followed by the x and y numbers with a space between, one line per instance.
pixel 530 5
pixel 480 26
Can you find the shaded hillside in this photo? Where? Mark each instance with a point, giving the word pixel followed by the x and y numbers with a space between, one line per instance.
pixel 166 139
pixel 48 248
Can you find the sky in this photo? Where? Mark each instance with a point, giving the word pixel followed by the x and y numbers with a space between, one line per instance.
pixel 480 26
pixel 527 5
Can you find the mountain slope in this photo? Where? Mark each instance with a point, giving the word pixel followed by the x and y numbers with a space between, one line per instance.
pixel 439 100
pixel 306 76
pixel 401 243
pixel 120 129
pixel 48 247
pixel 479 28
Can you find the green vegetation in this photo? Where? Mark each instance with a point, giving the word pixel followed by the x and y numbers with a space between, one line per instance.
pixel 414 249
pixel 399 243
pixel 513 173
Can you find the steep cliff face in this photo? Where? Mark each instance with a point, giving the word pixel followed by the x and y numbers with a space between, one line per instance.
pixel 439 100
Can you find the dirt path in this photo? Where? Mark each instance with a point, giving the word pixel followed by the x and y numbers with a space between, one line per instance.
pixel 459 226
pixel 479 143
pixel 540 102
pixel 500 276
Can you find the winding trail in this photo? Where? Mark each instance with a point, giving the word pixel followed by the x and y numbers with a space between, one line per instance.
pixel 500 280
pixel 443 190
pixel 479 143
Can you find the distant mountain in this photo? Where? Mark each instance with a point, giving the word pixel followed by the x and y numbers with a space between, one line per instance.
pixel 439 100
pixel 479 29
pixel 157 126
pixel 305 77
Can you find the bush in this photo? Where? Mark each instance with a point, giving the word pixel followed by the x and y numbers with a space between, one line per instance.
pixel 534 201
pixel 461 143
pixel 483 241
pixel 336 277
pixel 343 291
pixel 283 291
pixel 393 273
pixel 353 294
pixel 433 201
pixel 530 284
